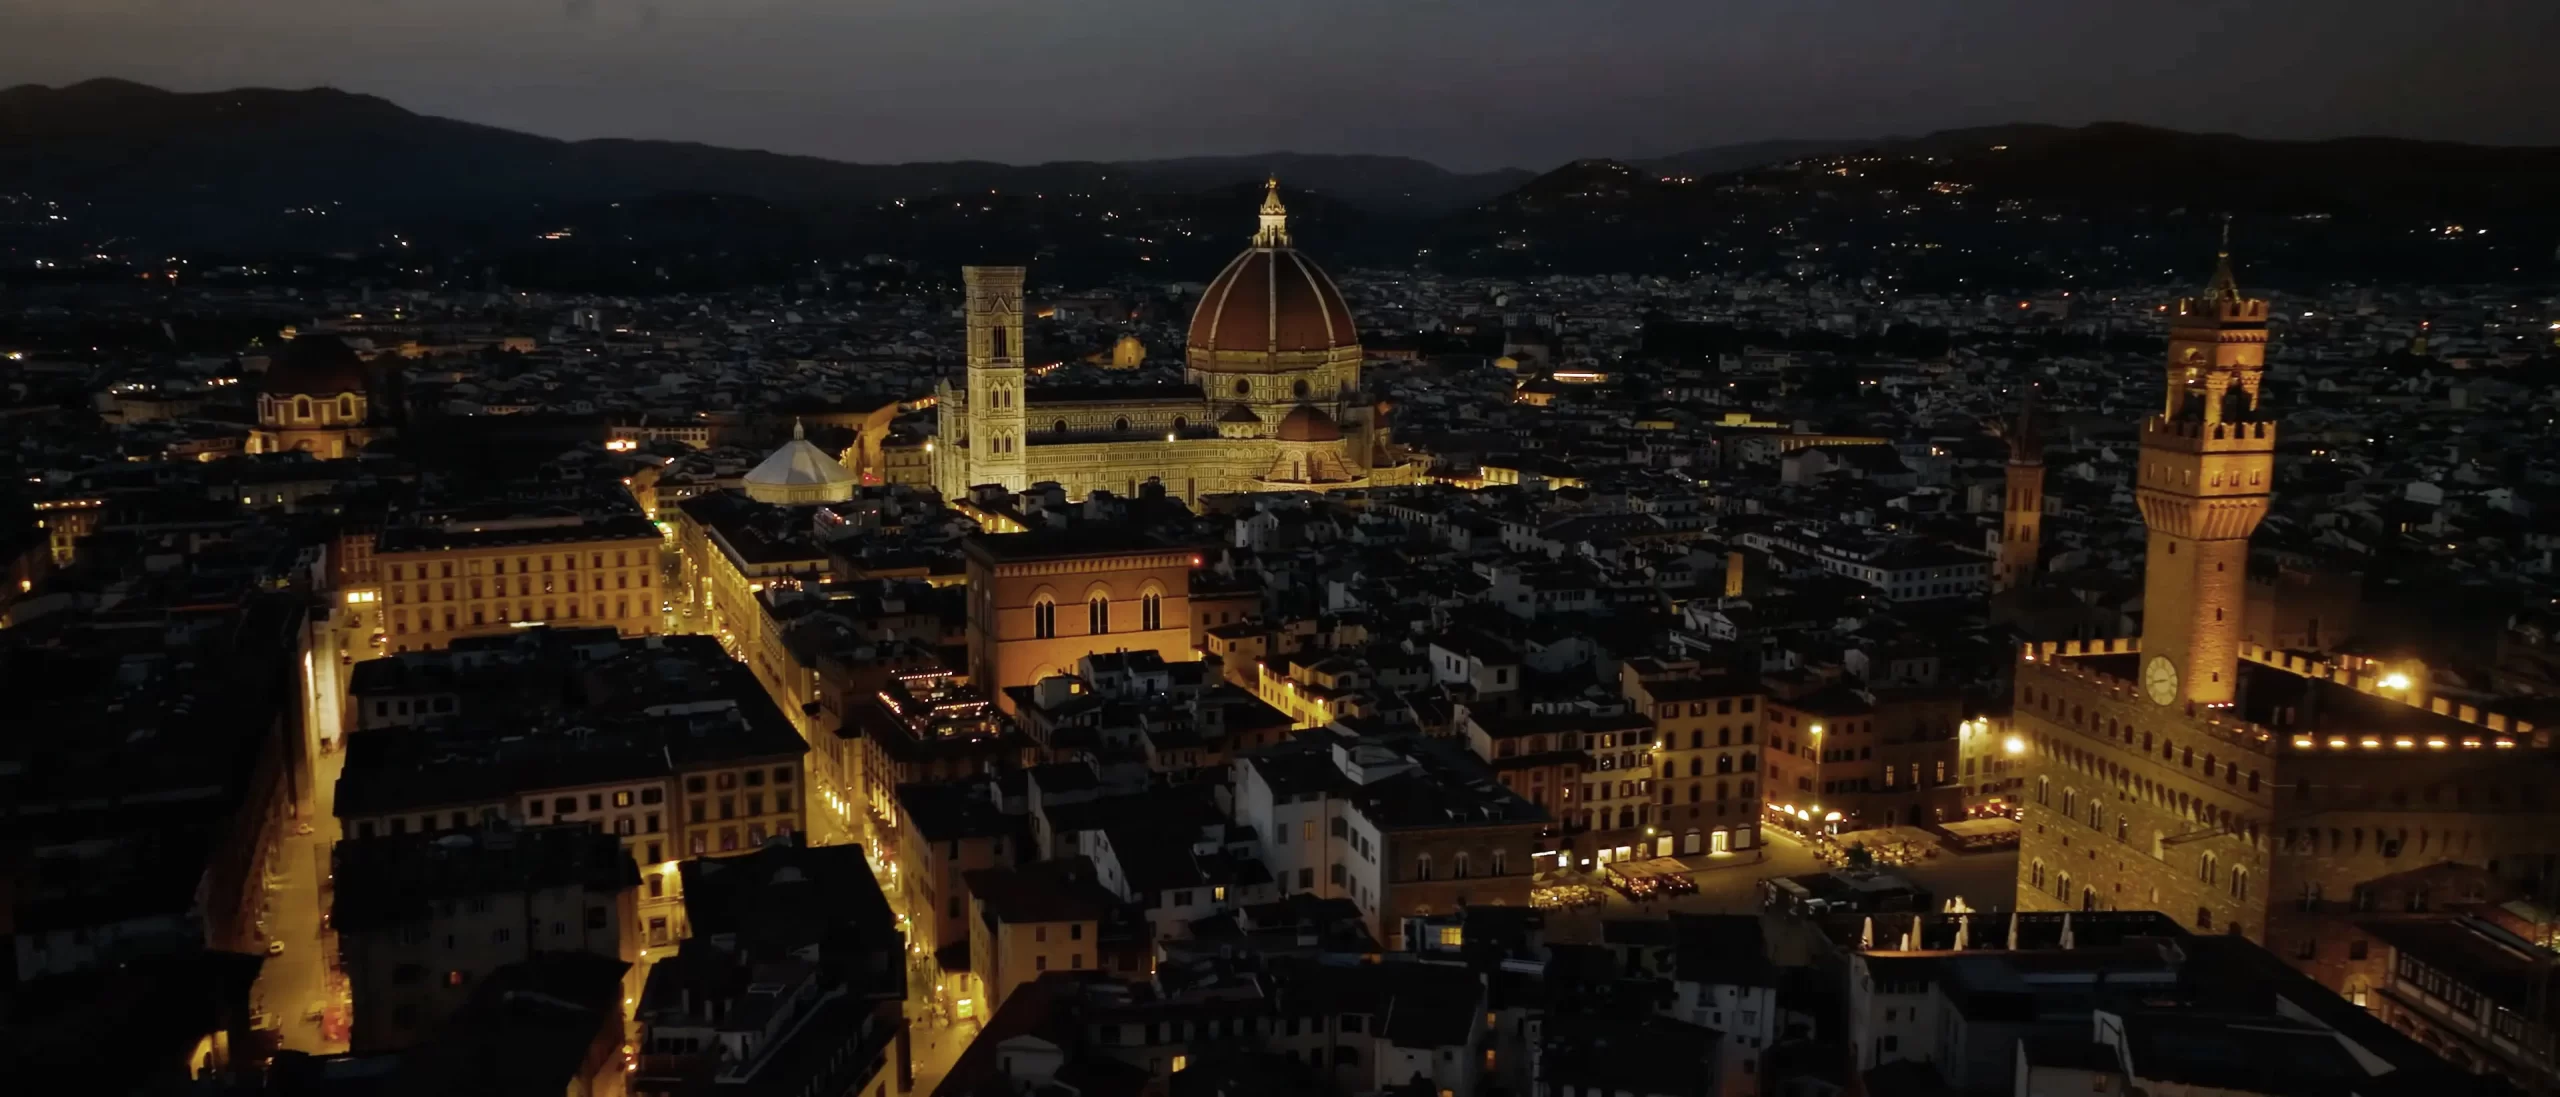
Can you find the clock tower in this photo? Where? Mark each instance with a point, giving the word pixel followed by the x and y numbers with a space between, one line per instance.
pixel 2207 458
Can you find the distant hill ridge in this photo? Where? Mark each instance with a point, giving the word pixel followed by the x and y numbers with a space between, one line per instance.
pixel 266 163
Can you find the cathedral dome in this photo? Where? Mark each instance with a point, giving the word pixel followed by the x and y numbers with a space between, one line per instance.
pixel 1270 301
pixel 314 365
pixel 797 473
pixel 1306 424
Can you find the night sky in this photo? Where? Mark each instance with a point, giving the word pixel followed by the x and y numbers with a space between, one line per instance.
pixel 1466 83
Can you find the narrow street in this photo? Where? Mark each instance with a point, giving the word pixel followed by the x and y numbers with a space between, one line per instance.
pixel 294 989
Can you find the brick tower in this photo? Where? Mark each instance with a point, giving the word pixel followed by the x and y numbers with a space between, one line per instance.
pixel 2022 505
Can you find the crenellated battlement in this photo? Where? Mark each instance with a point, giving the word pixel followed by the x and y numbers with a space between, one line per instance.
pixel 2195 435
pixel 2221 310
pixel 2054 667
pixel 2400 683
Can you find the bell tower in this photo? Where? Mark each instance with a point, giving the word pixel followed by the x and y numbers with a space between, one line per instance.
pixel 996 434
pixel 2207 460
pixel 2022 505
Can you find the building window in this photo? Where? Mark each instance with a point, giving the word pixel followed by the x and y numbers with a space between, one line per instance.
pixel 1151 611
pixel 1097 612
pixel 1044 618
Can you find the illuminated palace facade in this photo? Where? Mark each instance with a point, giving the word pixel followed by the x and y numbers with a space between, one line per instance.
pixel 1271 399
pixel 2236 787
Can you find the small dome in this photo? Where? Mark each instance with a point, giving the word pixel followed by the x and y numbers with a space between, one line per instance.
pixel 1128 352
pixel 314 365
pixel 1306 424
pixel 799 472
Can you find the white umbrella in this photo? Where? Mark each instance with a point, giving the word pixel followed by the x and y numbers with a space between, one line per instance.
pixel 2013 931
pixel 1867 934
pixel 1964 932
pixel 1911 935
pixel 2066 929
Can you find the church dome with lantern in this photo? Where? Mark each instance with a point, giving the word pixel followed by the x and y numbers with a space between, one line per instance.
pixel 314 398
pixel 1272 330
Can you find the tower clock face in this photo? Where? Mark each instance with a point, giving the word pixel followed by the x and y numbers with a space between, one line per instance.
pixel 2160 677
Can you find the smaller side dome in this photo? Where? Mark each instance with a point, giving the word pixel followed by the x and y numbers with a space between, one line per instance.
pixel 798 473
pixel 1128 352
pixel 1306 424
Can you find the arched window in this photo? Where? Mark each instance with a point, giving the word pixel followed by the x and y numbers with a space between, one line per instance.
pixel 1723 793
pixel 1120 424
pixel 1422 867
pixel 1698 766
pixel 1044 617
pixel 1097 610
pixel 2240 884
pixel 1181 423
pixel 347 407
pixel 302 407
pixel 1724 763
pixel 1750 762
pixel 1458 866
pixel 1060 426
pixel 1151 611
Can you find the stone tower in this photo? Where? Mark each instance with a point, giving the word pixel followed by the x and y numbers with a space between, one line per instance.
pixel 2022 505
pixel 996 435
pixel 2206 462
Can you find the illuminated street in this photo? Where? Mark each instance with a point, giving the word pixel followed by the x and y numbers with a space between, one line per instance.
pixel 295 987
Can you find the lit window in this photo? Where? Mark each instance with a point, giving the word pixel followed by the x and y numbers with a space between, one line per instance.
pixel 1452 936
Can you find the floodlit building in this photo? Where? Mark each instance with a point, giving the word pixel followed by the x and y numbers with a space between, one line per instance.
pixel 1270 401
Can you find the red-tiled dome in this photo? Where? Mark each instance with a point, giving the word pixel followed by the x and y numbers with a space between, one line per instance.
pixel 314 365
pixel 1306 424
pixel 1271 300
